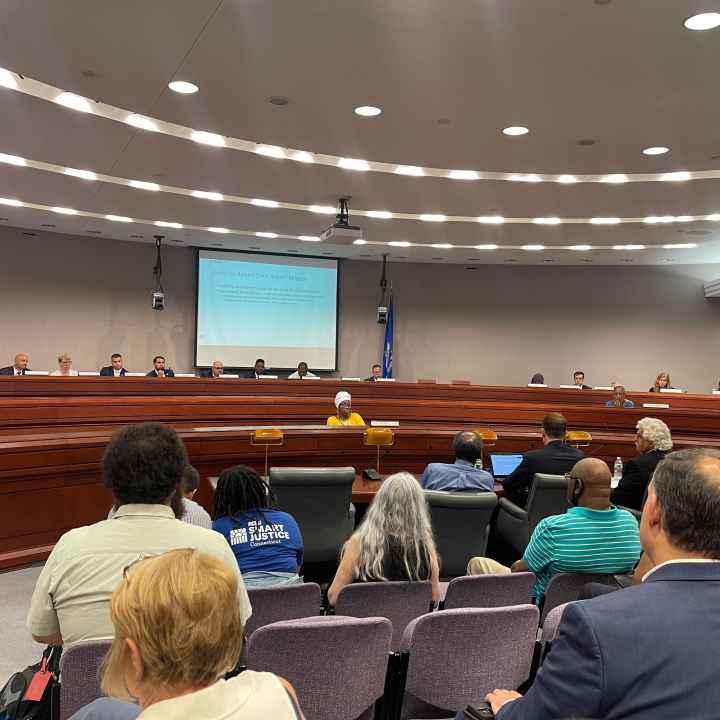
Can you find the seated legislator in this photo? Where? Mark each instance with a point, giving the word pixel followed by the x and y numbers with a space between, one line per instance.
pixel 393 542
pixel 463 473
pixel 115 368
pixel 302 373
pixel 662 382
pixel 267 542
pixel 556 457
pixel 375 373
pixel 345 415
pixel 65 368
pixel 591 537
pixel 215 370
pixel 537 379
pixel 579 380
pixel 652 441
pixel 618 399
pixel 19 366
pixel 178 631
pixel 143 465
pixel 159 370
pixel 258 370
pixel 648 651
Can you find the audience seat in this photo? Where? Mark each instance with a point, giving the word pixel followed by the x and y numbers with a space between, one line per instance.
pixel 550 627
pixel 79 675
pixel 486 591
pixel 565 587
pixel 399 602
pixel 336 664
pixel 320 501
pixel 456 657
pixel 284 602
pixel 548 496
pixel 461 521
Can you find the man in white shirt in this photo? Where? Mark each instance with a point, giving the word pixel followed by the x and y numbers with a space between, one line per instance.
pixel 19 366
pixel 302 373
pixel 143 466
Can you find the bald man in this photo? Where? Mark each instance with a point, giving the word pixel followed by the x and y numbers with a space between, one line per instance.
pixel 19 366
pixel 591 537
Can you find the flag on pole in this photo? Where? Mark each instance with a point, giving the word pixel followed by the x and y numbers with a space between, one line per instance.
pixel 388 347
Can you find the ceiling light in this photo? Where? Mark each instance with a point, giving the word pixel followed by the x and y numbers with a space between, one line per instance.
pixel 413 170
pixel 533 247
pixel 703 21
pixel 310 238
pixel 580 248
pixel 433 217
pixel 302 156
pixel 72 101
pixel 653 219
pixel 208 138
pixel 118 218
pixel 13 160
pixel 680 176
pixel 359 241
pixel 84 174
pixel 442 246
pixel 322 209
pixel 182 87
pixel 656 150
pixel 141 122
pixel 615 178
pixel 7 79
pixel 64 210
pixel 207 195
pixel 164 223
pixel 142 185
pixel 529 177
pixel 353 164
pixel 491 219
pixel 10 201
pixel 222 231
pixel 486 247
pixel 266 234
pixel 463 175
pixel 399 243
pixel 567 179
pixel 368 111
pixel 628 247
pixel 547 221
pixel 605 221
pixel 680 246
pixel 265 203
pixel 270 151
pixel 379 214
pixel 515 130
pixel 714 217
pixel 684 218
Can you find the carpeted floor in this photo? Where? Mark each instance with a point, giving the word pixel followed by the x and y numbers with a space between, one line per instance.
pixel 17 649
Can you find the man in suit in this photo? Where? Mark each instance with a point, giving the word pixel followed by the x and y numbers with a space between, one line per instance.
pixel 19 366
pixel 258 370
pixel 650 650
pixel 115 368
pixel 579 380
pixel 463 473
pixel 653 441
pixel 215 371
pixel 375 373
pixel 556 457
pixel 159 369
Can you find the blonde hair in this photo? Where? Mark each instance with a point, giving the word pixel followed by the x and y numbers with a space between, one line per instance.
pixel 182 611
pixel 64 357
pixel 656 432
pixel 665 374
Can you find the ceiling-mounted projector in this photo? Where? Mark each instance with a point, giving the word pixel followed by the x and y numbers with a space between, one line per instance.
pixel 341 232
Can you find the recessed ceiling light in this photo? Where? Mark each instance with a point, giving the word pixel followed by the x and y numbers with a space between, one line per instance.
pixel 628 247
pixel 84 174
pixel 142 185
pixel 491 219
pixel 353 164
pixel 433 217
pixel 715 217
pixel 380 214
pixel 260 202
pixel 141 122
pixel 303 156
pixel 13 160
pixel 580 248
pixel 270 151
pixel 567 179
pixel 266 234
pixel 322 209
pixel 399 243
pixel 529 177
pixel 64 211
pixel 208 138
pixel 533 247
pixel 703 21
pixel 442 246
pixel 463 175
pixel 118 218
pixel 413 170
pixel 72 101
pixel 221 231
pixel 654 219
pixel 278 100
pixel 683 218
pixel 680 246
pixel 605 221
pixel 680 176
pixel 515 130
pixel 656 150
pixel 11 201
pixel 615 178
pixel 164 223
pixel 547 221
pixel 7 79
pixel 359 241
pixel 367 111
pixel 183 87
pixel 208 195
pixel 310 238
pixel 486 247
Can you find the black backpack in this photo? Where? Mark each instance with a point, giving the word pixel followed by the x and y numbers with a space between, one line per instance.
pixel 42 679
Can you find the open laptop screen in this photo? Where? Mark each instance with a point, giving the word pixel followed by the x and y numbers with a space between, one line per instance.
pixel 504 463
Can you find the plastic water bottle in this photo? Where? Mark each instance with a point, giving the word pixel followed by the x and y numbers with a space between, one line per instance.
pixel 617 472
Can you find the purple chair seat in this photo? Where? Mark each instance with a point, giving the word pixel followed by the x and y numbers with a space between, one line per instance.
pixel 80 674
pixel 485 591
pixel 283 602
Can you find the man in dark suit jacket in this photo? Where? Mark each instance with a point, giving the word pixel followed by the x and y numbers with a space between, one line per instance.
pixel 19 366
pixel 214 371
pixel 653 441
pixel 649 651
pixel 115 367
pixel 159 369
pixel 376 371
pixel 258 370
pixel 556 457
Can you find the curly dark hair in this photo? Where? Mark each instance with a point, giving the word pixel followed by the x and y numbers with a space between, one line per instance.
pixel 144 463
pixel 239 490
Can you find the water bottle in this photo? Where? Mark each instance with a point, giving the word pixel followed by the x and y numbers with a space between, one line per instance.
pixel 617 472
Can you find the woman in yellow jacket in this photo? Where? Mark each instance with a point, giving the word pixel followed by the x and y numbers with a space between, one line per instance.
pixel 345 415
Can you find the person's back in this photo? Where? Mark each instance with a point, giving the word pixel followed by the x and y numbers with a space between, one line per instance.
pixel 462 474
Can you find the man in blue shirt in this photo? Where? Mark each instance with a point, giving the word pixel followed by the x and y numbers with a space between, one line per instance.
pixel 462 474
pixel 619 399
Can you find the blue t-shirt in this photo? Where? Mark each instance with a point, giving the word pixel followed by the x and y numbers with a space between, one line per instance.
pixel 267 540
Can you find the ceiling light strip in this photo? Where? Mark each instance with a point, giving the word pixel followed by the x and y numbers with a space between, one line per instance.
pixel 43 91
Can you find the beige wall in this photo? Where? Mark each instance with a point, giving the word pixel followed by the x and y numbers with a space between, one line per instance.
pixel 494 325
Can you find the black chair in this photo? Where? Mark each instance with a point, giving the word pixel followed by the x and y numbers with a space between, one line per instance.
pixel 320 501
pixel 461 523
pixel 548 496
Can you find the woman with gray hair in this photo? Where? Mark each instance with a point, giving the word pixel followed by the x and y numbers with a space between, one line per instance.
pixel 393 542
pixel 652 441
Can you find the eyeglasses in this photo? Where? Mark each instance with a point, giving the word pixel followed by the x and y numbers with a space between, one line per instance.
pixel 574 478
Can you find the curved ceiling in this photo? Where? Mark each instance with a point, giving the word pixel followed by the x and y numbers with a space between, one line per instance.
pixel 448 77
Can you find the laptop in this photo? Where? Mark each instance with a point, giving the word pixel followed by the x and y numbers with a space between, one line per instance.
pixel 504 463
